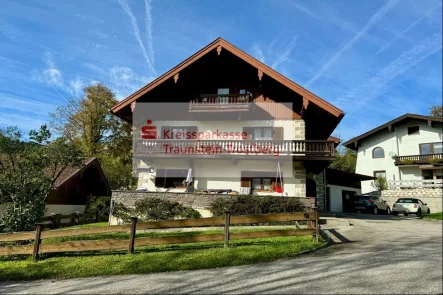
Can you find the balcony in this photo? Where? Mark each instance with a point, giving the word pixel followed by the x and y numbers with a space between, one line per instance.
pixel 431 159
pixel 256 149
pixel 221 103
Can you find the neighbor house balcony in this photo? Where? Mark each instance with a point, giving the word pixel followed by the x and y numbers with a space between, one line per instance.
pixel 221 103
pixel 430 159
pixel 239 149
pixel 415 184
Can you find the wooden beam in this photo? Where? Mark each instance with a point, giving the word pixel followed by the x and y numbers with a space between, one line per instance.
pixel 132 106
pixel 260 75
pixel 390 128
pixel 219 48
pixel 176 78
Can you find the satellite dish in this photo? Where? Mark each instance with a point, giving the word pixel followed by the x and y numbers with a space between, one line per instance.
pixel 392 154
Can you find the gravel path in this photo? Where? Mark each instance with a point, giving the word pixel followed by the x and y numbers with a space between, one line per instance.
pixel 376 255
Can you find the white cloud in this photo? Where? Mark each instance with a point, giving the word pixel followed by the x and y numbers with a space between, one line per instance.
pixel 123 81
pixel 378 84
pixel 136 30
pixel 379 14
pixel 149 25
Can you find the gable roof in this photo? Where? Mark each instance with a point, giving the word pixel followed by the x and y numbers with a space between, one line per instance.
pixel 221 44
pixel 353 143
pixel 71 172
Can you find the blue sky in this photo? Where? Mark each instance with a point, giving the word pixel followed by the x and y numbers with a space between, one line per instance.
pixel 373 59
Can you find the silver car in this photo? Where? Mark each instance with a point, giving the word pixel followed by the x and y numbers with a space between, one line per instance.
pixel 410 206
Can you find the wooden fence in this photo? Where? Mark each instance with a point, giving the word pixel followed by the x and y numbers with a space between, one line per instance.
pixel 227 220
pixel 55 220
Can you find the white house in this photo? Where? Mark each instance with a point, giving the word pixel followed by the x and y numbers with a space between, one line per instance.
pixel 404 150
pixel 222 121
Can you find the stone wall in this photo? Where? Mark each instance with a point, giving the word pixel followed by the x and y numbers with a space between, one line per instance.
pixel 431 196
pixel 320 191
pixel 199 202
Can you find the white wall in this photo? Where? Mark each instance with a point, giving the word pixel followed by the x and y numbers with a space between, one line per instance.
pixel 335 196
pixel 401 144
pixel 53 208
pixel 226 174
pixel 64 209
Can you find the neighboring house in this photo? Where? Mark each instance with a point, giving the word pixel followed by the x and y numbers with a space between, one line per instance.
pixel 407 151
pixel 223 88
pixel 73 187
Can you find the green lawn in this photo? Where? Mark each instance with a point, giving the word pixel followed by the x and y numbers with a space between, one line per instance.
pixel 436 216
pixel 152 258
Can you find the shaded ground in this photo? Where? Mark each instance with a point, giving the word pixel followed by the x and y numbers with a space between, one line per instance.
pixel 375 255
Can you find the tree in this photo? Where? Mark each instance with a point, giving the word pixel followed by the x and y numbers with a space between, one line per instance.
pixel 436 111
pixel 28 170
pixel 380 184
pixel 88 123
pixel 346 160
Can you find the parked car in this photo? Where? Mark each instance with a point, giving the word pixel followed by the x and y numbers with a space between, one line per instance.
pixel 410 206
pixel 371 204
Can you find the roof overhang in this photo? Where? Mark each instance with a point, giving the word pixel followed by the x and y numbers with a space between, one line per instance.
pixel 219 45
pixel 354 142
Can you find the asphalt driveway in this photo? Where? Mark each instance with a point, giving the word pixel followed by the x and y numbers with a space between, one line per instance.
pixel 375 255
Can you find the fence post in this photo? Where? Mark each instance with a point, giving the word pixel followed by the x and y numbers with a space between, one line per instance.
pixel 309 209
pixel 226 232
pixel 316 224
pixel 37 241
pixel 96 216
pixel 132 235
pixel 53 220
pixel 77 218
pixel 73 216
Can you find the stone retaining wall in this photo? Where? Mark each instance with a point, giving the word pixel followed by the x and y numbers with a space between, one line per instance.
pixel 199 202
pixel 431 196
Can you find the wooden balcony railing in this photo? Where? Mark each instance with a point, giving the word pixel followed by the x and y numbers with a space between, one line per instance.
pixel 428 183
pixel 167 147
pixel 419 159
pixel 220 103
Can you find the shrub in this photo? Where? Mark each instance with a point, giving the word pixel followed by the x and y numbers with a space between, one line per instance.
pixel 247 204
pixel 100 205
pixel 150 209
pixel 380 184
pixel 434 161
pixel 407 162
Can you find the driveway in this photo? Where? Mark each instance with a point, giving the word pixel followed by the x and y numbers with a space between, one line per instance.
pixel 375 255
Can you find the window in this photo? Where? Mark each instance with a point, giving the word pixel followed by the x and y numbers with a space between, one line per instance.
pixel 431 148
pixel 439 174
pixel 262 133
pixel 427 174
pixel 260 181
pixel 380 174
pixel 378 152
pixel 413 130
pixel 223 91
pixel 170 178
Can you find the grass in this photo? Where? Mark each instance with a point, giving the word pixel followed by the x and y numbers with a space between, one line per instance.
pixel 151 259
pixel 435 216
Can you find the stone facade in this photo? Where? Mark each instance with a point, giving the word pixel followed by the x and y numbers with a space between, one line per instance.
pixel 299 129
pixel 431 196
pixel 199 202
pixel 320 191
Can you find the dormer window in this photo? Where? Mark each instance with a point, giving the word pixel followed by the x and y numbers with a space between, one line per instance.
pixel 378 152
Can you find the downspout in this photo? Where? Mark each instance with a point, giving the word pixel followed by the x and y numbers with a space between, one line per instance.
pixel 325 206
pixel 398 152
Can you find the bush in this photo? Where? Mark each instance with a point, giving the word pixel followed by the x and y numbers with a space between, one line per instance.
pixel 22 217
pixel 100 205
pixel 380 184
pixel 150 209
pixel 247 204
